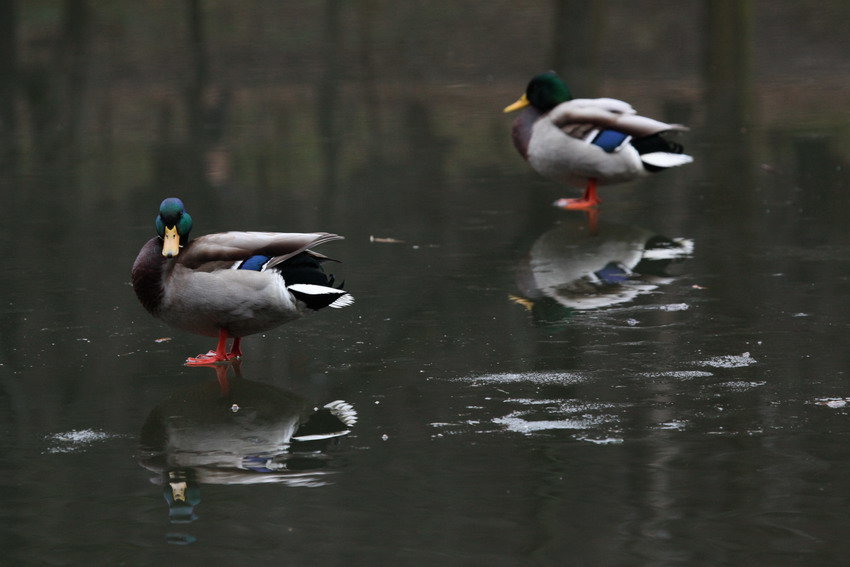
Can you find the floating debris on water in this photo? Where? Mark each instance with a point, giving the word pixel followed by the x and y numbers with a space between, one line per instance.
pixel 385 240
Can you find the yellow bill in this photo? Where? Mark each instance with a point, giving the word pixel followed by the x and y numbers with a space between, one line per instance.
pixel 170 242
pixel 521 103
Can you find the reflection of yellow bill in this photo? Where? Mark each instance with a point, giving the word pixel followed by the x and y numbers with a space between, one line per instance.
pixel 521 103
pixel 170 242
pixel 526 303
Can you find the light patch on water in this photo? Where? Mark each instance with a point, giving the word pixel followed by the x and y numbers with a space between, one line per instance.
pixel 602 441
pixel 533 377
pixel 74 440
pixel 567 414
pixel 513 422
pixel 741 385
pixel 729 361
pixel 673 424
pixel 674 307
pixel 681 374
pixel 567 406
pixel 733 433
pixel 532 401
pixel 833 402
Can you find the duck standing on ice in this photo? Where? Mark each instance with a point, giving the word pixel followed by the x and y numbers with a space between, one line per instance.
pixel 587 142
pixel 230 284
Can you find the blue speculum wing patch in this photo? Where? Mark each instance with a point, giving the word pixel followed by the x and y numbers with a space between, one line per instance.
pixel 612 273
pixel 255 263
pixel 610 140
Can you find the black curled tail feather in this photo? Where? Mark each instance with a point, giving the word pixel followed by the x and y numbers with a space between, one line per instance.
pixel 656 143
pixel 304 268
pixel 307 282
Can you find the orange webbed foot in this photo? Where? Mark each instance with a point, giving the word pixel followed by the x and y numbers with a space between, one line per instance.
pixel 576 204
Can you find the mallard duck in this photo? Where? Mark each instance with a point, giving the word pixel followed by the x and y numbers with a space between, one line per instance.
pixel 230 284
pixel 585 142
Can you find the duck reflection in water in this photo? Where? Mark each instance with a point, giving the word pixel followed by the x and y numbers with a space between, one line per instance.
pixel 576 266
pixel 237 431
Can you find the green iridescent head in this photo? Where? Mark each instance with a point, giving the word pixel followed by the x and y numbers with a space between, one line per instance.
pixel 173 225
pixel 544 92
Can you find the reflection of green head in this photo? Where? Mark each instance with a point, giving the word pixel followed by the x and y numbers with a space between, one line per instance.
pixel 182 495
pixel 547 311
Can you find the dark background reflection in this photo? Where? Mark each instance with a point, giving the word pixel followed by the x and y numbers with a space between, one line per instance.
pixel 617 436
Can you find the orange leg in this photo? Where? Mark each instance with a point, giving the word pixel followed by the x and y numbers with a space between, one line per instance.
pixel 236 348
pixel 212 357
pixel 589 200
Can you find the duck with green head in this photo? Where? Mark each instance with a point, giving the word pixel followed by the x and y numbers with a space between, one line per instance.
pixel 230 284
pixel 586 142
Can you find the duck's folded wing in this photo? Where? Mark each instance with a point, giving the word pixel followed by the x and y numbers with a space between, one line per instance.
pixel 235 246
pixel 610 104
pixel 580 116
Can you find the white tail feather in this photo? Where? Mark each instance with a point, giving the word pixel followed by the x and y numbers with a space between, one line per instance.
pixel 313 289
pixel 665 159
pixel 344 411
pixel 345 299
pixel 342 301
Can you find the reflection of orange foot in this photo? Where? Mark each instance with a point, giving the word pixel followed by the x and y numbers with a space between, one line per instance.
pixel 576 204
pixel 592 221
pixel 223 383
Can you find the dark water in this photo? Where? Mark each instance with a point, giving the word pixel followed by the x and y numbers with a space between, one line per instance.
pixel 693 414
